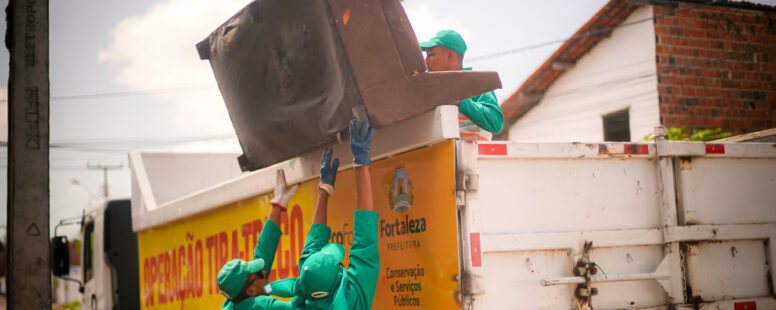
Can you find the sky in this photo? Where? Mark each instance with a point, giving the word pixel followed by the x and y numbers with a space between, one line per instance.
pixel 125 76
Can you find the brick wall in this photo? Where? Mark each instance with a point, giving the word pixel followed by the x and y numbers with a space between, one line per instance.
pixel 716 67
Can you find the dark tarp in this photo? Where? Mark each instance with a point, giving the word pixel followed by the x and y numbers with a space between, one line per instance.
pixel 294 72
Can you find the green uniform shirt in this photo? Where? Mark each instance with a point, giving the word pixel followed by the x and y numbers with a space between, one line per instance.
pixel 358 286
pixel 263 302
pixel 317 237
pixel 483 110
pixel 265 248
pixel 359 282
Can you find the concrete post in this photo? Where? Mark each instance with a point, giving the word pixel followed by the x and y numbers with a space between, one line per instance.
pixel 29 272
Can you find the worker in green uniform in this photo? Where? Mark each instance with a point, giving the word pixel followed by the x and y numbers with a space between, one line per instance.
pixel 481 115
pixel 237 279
pixel 323 282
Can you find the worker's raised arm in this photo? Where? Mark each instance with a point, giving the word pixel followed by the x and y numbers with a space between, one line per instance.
pixel 325 186
pixel 320 233
pixel 364 189
pixel 270 234
pixel 283 195
pixel 360 141
pixel 484 111
pixel 364 258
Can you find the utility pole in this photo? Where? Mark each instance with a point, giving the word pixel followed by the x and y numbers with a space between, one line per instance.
pixel 104 169
pixel 27 38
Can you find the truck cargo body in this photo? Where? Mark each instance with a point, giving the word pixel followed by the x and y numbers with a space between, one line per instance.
pixel 498 225
pixel 619 225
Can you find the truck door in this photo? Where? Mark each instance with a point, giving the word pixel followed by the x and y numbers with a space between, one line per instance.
pixel 97 277
pixel 89 297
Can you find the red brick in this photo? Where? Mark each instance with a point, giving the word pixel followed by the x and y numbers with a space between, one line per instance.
pixel 706 78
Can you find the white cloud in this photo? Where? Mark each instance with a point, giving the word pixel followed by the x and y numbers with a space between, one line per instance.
pixel 426 23
pixel 157 50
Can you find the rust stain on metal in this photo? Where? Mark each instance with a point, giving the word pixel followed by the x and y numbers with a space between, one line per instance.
pixel 585 268
pixel 691 248
pixel 603 149
pixel 631 148
pixel 685 163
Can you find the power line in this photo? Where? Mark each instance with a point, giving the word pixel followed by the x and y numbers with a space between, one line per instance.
pixel 577 112
pixel 588 33
pixel 474 59
pixel 147 140
pixel 571 113
pixel 90 145
pixel 129 93
pixel 77 167
pixel 641 77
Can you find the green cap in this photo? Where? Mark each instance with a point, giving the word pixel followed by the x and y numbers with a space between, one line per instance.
pixel 234 274
pixel 317 278
pixel 447 38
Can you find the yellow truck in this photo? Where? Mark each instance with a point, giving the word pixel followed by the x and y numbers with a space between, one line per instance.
pixel 463 225
pixel 191 213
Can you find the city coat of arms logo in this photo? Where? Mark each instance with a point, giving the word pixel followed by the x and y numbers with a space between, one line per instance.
pixel 400 195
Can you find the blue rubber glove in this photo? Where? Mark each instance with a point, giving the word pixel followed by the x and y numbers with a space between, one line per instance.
pixel 328 172
pixel 360 139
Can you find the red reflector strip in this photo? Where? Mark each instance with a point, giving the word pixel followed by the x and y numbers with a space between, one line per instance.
pixel 715 149
pixel 636 149
pixel 474 239
pixel 747 305
pixel 492 149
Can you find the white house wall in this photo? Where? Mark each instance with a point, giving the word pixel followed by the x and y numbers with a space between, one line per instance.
pixel 618 73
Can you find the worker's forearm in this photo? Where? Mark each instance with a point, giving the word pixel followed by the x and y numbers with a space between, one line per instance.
pixel 274 214
pixel 321 206
pixel 484 111
pixel 364 189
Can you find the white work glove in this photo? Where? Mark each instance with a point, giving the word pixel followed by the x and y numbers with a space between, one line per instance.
pixel 282 193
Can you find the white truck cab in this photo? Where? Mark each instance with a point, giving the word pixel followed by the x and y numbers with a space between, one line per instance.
pixel 109 257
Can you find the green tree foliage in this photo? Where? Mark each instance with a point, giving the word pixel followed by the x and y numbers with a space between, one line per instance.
pixel 685 134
